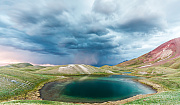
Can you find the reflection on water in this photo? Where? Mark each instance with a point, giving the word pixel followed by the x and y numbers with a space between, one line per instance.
pixel 94 89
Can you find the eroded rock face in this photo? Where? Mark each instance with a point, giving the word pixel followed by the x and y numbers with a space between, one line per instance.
pixel 165 52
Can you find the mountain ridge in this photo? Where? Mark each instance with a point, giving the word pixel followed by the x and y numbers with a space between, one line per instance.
pixel 160 55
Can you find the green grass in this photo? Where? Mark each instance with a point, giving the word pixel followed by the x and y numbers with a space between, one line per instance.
pixel 165 98
pixel 155 71
pixel 175 64
pixel 116 69
pixel 15 82
pixel 20 65
pixel 168 78
pixel 23 78
pixel 170 83
pixel 42 102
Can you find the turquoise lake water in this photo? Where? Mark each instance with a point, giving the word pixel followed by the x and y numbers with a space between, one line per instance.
pixel 95 89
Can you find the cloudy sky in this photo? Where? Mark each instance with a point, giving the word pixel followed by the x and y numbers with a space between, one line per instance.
pixel 95 32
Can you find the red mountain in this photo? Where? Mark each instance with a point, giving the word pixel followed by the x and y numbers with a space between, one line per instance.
pixel 162 54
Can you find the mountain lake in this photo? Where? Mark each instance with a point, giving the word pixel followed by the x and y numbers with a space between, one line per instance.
pixel 91 89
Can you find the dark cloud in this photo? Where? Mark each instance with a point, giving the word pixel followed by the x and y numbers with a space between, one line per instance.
pixel 144 25
pixel 97 29
pixel 103 30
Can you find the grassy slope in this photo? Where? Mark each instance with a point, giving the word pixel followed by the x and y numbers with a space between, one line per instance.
pixel 115 69
pixel 168 77
pixel 175 64
pixel 134 62
pixel 55 70
pixel 17 81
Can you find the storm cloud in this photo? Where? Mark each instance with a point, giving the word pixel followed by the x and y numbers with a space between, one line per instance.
pixel 93 32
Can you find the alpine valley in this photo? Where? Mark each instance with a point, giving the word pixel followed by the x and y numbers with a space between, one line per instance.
pixel 160 69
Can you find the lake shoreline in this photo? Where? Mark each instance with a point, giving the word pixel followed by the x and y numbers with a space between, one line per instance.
pixel 35 94
pixel 154 86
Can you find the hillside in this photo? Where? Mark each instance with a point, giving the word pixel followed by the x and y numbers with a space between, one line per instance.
pixel 162 54
pixel 21 84
pixel 20 65
pixel 72 69
pixel 19 81
pixel 15 81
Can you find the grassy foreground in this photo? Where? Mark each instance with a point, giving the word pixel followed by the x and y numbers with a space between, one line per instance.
pixel 164 98
pixel 21 82
pixel 36 102
pixel 18 80
pixel 168 78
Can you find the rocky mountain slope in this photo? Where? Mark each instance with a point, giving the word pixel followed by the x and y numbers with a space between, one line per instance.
pixel 162 54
